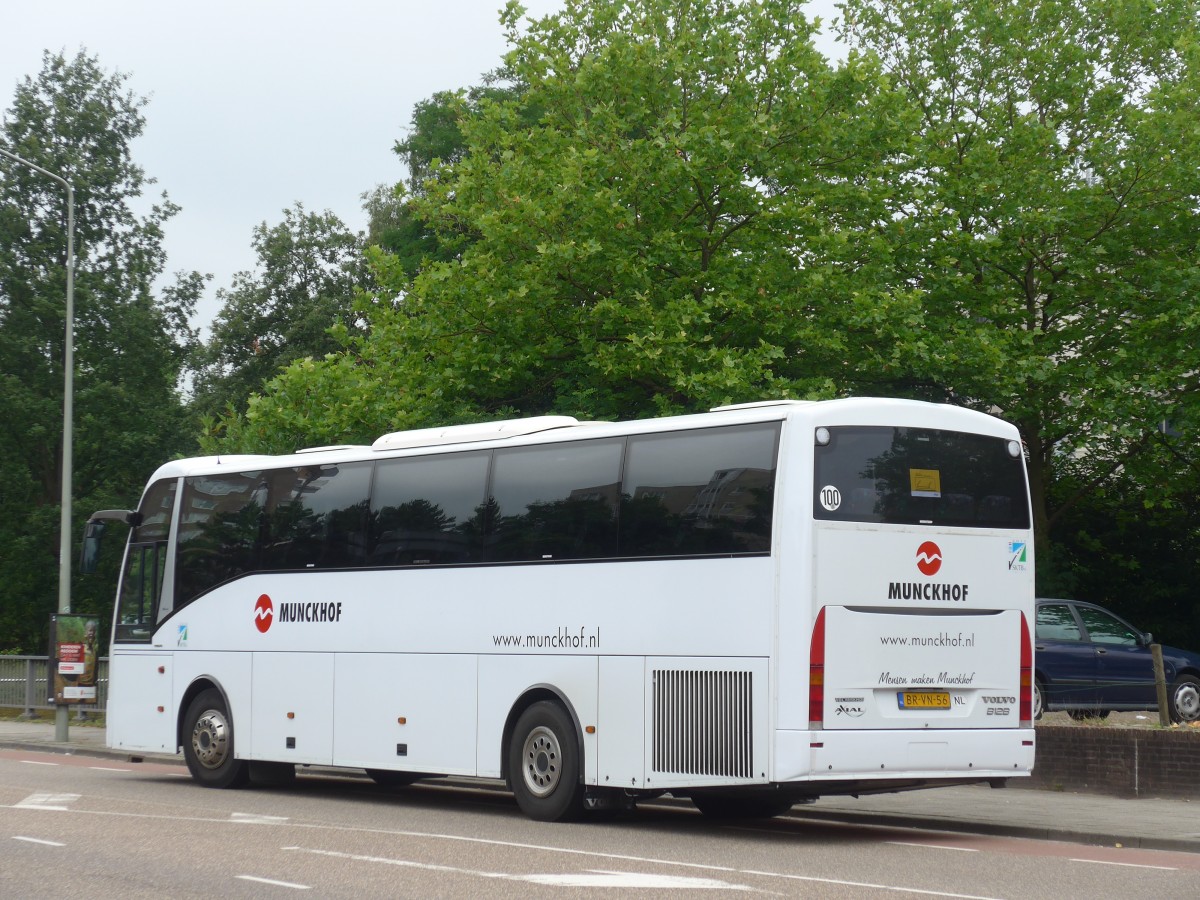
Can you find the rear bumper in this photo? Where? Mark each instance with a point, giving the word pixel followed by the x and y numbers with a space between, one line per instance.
pixel 902 754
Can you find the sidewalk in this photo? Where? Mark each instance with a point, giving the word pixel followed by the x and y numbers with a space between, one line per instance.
pixel 1013 812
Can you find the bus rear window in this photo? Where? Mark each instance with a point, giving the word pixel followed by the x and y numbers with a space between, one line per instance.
pixel 918 476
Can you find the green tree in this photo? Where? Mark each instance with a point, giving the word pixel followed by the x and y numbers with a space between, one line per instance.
pixel 79 121
pixel 434 141
pixel 1047 213
pixel 309 267
pixel 680 207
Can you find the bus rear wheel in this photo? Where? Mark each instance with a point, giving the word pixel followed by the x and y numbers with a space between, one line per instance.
pixel 543 764
pixel 208 743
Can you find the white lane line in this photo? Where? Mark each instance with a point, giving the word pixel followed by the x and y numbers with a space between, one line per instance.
pixel 108 769
pixel 1105 862
pixel 286 884
pixel 256 819
pixel 631 881
pixel 932 846
pixel 21 837
pixel 37 762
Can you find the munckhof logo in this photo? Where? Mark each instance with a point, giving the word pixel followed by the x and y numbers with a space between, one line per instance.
pixel 929 563
pixel 264 613
pixel 929 558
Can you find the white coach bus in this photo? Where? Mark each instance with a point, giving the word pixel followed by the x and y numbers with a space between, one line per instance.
pixel 749 607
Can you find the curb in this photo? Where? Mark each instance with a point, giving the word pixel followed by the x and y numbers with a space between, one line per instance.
pixel 69 749
pixel 996 829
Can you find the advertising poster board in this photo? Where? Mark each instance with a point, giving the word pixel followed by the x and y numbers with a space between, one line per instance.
pixel 73 655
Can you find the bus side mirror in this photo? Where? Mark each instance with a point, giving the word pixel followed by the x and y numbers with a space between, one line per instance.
pixel 93 531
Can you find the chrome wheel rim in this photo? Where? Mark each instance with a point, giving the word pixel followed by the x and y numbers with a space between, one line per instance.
pixel 210 739
pixel 541 758
pixel 1187 701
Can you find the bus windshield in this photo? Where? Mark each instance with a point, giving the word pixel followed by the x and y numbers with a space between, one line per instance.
pixel 919 476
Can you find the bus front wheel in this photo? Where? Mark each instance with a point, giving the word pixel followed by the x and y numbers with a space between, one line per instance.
pixel 208 743
pixel 543 764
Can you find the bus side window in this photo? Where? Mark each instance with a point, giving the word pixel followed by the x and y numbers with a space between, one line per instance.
pixel 145 565
pixel 556 502
pixel 699 492
pixel 141 588
pixel 316 517
pixel 429 510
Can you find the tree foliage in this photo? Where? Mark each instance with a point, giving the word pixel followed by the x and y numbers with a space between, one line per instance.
pixel 78 121
pixel 679 208
pixel 309 267
pixel 1047 212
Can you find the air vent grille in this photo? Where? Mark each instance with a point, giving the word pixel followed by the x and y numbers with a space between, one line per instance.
pixel 703 723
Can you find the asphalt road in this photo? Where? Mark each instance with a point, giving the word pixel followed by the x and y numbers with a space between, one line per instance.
pixel 75 826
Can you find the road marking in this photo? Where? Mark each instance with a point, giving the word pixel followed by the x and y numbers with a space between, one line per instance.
pixel 286 884
pixel 593 878
pixel 37 762
pixel 638 859
pixel 108 769
pixel 933 846
pixel 47 801
pixel 256 819
pixel 1105 862
pixel 19 837
pixel 631 880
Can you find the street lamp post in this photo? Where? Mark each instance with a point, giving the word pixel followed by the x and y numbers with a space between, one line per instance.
pixel 64 537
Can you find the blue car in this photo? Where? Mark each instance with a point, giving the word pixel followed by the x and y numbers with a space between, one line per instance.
pixel 1089 661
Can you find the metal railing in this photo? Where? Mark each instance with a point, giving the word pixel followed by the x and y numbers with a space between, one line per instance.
pixel 23 686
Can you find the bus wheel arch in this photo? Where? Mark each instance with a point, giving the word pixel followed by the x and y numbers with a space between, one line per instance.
pixel 542 756
pixel 206 733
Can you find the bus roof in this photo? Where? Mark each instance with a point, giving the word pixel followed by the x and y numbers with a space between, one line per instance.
pixel 544 429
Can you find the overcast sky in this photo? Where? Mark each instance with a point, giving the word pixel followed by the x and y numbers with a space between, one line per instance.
pixel 258 104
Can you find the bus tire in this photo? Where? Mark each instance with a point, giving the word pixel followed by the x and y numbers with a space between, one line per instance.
pixel 208 743
pixel 544 764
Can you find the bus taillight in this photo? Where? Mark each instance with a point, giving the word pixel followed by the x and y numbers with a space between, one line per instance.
pixel 816 674
pixel 1026 692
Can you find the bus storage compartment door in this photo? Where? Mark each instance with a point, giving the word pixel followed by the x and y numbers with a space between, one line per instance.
pixel 921 669
pixel 293 707
pixel 144 718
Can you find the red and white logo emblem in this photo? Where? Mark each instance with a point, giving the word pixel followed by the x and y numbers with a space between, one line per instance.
pixel 264 613
pixel 929 558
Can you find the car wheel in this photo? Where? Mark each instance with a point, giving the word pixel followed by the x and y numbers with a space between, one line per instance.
pixel 544 764
pixel 1038 699
pixel 1184 699
pixel 208 743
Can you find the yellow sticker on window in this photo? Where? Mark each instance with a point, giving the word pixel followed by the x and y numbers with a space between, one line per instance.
pixel 925 482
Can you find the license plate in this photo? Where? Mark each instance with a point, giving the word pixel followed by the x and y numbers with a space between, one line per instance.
pixel 923 699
